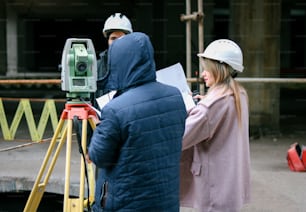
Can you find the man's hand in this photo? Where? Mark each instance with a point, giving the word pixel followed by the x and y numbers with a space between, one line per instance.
pixel 88 159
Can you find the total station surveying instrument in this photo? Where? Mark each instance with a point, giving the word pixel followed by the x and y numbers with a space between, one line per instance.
pixel 78 79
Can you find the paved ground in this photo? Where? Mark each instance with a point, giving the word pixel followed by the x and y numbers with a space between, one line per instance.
pixel 20 163
pixel 274 186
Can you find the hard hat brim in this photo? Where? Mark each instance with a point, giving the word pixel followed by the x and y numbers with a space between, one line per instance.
pixel 235 66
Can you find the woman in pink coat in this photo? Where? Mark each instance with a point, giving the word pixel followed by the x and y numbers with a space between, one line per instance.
pixel 215 164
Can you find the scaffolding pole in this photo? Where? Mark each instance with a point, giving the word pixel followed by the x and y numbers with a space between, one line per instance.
pixel 188 17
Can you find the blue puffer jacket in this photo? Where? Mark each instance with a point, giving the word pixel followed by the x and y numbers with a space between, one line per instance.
pixel 137 145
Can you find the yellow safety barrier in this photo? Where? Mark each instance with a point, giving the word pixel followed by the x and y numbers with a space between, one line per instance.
pixel 24 108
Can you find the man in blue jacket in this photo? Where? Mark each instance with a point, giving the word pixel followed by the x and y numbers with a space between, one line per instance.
pixel 137 145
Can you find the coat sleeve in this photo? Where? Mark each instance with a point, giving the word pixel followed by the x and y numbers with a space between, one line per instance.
pixel 196 127
pixel 105 142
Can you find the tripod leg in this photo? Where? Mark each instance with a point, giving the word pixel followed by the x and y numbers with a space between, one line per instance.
pixel 91 178
pixel 92 123
pixel 90 169
pixel 39 188
pixel 91 174
pixel 82 170
pixel 67 202
pixel 76 204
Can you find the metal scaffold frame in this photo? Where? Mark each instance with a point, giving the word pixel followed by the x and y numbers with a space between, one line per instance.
pixel 188 18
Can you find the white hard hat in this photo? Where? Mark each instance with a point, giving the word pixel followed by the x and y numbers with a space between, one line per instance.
pixel 225 51
pixel 117 21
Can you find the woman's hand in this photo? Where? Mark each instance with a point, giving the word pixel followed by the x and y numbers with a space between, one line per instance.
pixel 197 98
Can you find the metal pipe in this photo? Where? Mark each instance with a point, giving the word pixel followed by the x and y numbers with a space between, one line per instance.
pixel 188 41
pixel 30 81
pixel 189 79
pixel 261 80
pixel 201 43
pixel 272 80
pixel 201 25
pixel 31 99
pixel 195 16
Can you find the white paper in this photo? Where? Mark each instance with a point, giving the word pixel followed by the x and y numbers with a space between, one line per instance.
pixel 103 100
pixel 174 75
pixel 188 100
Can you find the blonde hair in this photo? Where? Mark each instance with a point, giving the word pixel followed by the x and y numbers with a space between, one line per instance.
pixel 224 78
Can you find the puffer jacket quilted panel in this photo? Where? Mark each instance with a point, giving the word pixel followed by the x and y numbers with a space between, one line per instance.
pixel 137 145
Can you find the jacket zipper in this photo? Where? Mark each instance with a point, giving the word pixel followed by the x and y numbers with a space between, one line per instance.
pixel 103 194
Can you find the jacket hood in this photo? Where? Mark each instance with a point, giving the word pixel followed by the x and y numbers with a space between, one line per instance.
pixel 131 62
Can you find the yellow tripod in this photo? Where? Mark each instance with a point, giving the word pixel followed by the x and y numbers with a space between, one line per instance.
pixel 85 113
